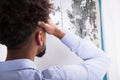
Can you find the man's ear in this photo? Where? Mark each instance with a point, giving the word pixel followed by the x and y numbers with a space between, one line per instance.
pixel 39 38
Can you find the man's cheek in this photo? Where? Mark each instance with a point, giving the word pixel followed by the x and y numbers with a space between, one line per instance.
pixel 40 54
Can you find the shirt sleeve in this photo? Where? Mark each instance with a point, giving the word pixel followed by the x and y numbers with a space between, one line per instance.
pixel 93 67
pixel 95 62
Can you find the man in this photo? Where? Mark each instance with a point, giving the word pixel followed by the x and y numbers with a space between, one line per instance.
pixel 23 27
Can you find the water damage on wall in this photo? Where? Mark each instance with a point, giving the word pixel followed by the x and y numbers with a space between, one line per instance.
pixel 79 16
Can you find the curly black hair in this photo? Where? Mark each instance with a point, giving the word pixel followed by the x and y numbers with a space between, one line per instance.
pixel 18 19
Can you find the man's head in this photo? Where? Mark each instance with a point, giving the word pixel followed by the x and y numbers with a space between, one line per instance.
pixel 18 22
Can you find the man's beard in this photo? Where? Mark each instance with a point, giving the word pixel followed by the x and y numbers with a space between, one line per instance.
pixel 42 52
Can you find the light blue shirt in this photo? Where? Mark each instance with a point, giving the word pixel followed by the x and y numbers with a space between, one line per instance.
pixel 93 67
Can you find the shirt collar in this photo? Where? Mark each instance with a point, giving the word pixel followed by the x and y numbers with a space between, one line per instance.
pixel 17 65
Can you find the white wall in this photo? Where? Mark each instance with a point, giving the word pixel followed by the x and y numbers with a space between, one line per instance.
pixel 111 28
pixel 3 52
pixel 57 54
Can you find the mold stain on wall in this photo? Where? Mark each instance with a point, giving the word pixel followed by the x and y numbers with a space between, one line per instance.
pixel 78 16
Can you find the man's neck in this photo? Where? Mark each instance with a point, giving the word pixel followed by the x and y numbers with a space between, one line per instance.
pixel 20 54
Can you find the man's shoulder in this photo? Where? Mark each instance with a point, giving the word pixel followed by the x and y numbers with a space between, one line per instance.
pixel 54 72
